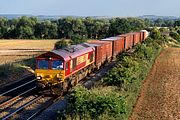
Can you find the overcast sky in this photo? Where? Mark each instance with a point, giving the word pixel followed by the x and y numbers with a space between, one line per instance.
pixel 91 7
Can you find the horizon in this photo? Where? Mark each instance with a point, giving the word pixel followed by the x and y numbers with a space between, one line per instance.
pixel 37 15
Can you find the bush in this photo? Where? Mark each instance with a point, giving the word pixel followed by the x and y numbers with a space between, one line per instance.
pixel 85 104
pixel 123 73
pixel 175 35
pixel 61 44
pixel 155 33
pixel 77 39
pixel 8 68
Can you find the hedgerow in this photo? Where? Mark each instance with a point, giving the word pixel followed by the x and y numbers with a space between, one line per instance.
pixel 124 79
pixel 83 103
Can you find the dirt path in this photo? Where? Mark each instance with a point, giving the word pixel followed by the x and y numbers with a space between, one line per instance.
pixel 160 94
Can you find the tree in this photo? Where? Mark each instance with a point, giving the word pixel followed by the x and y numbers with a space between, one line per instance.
pixel 89 23
pixel 77 39
pixel 177 23
pixel 61 44
pixel 3 27
pixel 65 27
pixel 25 27
pixel 155 33
pixel 159 22
pixel 46 29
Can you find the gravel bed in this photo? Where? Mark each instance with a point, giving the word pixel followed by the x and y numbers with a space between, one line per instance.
pixel 33 108
pixel 11 103
pixel 51 112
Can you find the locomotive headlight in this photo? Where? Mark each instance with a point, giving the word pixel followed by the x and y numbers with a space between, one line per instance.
pixel 38 77
pixel 59 75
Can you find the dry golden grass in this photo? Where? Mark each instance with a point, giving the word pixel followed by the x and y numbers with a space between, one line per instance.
pixel 27 44
pixel 17 50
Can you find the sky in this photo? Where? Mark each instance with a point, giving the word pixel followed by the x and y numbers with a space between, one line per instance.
pixel 122 8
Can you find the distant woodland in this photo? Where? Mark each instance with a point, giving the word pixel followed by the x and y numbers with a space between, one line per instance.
pixel 68 27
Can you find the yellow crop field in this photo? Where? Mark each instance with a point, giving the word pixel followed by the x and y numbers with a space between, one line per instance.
pixel 17 50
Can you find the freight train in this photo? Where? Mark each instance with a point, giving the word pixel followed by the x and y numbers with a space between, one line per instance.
pixel 58 70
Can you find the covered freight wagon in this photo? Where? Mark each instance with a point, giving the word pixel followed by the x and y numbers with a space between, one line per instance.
pixel 136 38
pixel 103 51
pixel 117 44
pixel 128 40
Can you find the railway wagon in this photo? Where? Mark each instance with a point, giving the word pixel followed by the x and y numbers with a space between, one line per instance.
pixel 136 36
pixel 58 66
pixel 128 41
pixel 145 34
pixel 131 35
pixel 103 51
pixel 118 44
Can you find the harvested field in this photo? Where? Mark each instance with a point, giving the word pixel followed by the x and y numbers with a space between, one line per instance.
pixel 160 94
pixel 17 50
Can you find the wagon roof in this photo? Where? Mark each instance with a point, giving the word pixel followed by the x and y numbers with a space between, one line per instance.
pixel 92 44
pixel 111 39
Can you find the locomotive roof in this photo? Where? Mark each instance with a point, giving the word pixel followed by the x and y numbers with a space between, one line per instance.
pixel 73 51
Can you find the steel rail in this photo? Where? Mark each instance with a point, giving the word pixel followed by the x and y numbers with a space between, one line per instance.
pixel 22 107
pixel 16 97
pixel 17 87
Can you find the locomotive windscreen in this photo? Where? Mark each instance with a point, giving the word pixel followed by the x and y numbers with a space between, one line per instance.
pixel 57 65
pixel 50 64
pixel 43 64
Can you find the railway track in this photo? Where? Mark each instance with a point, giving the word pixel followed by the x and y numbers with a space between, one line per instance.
pixel 30 109
pixel 22 102
pixel 27 108
pixel 33 105
pixel 16 91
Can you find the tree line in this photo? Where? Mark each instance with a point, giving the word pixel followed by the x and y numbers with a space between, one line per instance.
pixel 32 28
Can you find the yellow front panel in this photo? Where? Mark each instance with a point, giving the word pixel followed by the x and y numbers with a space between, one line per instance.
pixel 50 76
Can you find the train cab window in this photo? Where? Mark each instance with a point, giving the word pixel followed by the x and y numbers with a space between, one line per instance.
pixel 57 65
pixel 43 64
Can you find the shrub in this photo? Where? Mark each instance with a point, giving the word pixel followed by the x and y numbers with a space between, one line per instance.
pixel 77 39
pixel 8 68
pixel 93 104
pixel 175 35
pixel 61 44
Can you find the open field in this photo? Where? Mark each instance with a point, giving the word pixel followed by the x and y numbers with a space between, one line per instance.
pixel 160 94
pixel 17 50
